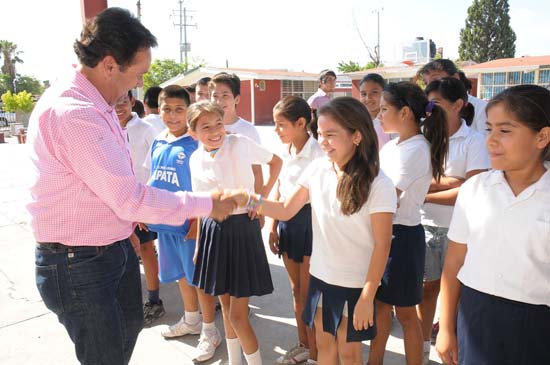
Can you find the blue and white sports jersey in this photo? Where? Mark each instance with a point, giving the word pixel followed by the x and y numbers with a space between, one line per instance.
pixel 170 171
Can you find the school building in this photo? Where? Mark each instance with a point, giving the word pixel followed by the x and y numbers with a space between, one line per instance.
pixel 262 89
pixel 495 76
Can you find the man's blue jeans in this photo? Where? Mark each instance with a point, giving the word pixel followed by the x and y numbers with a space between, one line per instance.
pixel 96 294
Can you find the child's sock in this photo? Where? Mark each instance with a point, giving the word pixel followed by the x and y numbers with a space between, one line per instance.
pixel 254 358
pixel 154 296
pixel 208 326
pixel 234 351
pixel 192 317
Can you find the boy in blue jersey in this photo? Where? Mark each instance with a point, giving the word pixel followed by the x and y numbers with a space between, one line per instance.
pixel 170 153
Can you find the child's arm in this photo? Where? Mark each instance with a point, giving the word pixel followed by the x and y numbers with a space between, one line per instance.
pixel 363 315
pixel 446 344
pixel 258 179
pixel 447 196
pixel 274 169
pixel 272 223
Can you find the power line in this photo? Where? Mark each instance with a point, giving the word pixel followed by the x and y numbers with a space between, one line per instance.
pixel 185 47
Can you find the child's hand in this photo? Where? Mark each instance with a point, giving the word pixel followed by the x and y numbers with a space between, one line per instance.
pixel 446 346
pixel 222 206
pixel 143 227
pixel 363 315
pixel 274 242
pixel 238 195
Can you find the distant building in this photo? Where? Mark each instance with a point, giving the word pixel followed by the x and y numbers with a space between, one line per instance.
pixel 262 89
pixel 495 76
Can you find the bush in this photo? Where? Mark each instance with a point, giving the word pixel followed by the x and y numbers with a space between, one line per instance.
pixel 20 102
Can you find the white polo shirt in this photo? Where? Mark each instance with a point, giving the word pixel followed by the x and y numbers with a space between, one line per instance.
pixel 140 137
pixel 231 167
pixel 508 237
pixel 294 164
pixel 342 244
pixel 467 152
pixel 156 122
pixel 480 117
pixel 245 128
pixel 408 165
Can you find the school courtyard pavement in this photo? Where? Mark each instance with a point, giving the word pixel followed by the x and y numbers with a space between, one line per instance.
pixel 31 334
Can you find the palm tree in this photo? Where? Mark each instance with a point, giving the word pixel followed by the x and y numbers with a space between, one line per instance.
pixel 11 57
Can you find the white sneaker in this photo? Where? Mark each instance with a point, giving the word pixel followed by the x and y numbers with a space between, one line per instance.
pixel 182 328
pixel 208 343
pixel 296 355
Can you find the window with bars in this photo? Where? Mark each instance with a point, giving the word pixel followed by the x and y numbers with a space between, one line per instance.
pixel 528 77
pixel 303 89
pixel 494 82
pixel 544 77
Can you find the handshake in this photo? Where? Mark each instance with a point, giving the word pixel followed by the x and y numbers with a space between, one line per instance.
pixel 225 202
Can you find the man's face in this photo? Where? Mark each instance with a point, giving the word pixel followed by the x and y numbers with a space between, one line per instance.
pixel 328 84
pixel 433 75
pixel 132 75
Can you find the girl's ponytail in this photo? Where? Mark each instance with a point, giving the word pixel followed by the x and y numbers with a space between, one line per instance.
pixel 434 128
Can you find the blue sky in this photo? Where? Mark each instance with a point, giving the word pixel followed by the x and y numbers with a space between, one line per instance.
pixel 298 35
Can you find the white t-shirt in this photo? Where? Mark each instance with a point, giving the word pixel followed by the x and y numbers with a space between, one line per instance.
pixel 245 128
pixel 467 152
pixel 408 165
pixel 140 137
pixel 342 244
pixel 294 164
pixel 480 117
pixel 156 122
pixel 508 237
pixel 231 167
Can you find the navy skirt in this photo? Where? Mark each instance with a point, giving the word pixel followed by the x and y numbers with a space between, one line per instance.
pixel 296 235
pixel 401 284
pixel 231 258
pixel 333 299
pixel 493 330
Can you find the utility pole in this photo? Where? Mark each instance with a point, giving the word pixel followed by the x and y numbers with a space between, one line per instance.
pixel 138 5
pixel 377 48
pixel 185 47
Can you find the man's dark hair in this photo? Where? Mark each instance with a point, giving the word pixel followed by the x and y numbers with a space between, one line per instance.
pixel 441 64
pixel 113 32
pixel 151 97
pixel 324 74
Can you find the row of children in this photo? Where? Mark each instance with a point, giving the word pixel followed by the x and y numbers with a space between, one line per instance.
pixel 354 238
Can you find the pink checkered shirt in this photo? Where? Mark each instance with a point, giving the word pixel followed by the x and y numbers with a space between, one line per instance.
pixel 84 191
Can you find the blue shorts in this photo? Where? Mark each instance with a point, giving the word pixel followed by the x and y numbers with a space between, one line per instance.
pixel 175 258
pixel 436 249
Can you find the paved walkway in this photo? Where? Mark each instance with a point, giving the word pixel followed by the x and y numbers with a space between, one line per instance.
pixel 30 334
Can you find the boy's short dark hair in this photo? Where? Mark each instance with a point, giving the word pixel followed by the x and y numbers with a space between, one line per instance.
pixel 113 32
pixel 326 73
pixel 174 91
pixel 232 81
pixel 441 64
pixel 190 88
pixel 204 81
pixel 151 97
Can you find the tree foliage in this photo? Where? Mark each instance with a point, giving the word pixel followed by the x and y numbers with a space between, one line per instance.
pixel 161 71
pixel 352 66
pixel 11 57
pixel 20 102
pixel 487 34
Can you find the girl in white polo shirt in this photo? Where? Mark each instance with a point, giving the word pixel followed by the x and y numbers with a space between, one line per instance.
pixel 495 288
pixel 292 239
pixel 352 205
pixel 467 157
pixel 411 161
pixel 230 259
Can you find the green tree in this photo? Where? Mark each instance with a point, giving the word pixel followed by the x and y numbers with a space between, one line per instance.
pixel 30 84
pixel 20 102
pixel 352 66
pixel 487 34
pixel 161 71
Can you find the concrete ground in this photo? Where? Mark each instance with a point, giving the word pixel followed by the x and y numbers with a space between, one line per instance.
pixel 30 334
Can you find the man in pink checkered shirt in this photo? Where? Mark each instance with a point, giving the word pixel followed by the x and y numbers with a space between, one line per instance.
pixel 85 197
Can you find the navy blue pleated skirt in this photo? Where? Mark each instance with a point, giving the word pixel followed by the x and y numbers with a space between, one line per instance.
pixel 493 330
pixel 333 300
pixel 231 258
pixel 403 277
pixel 296 235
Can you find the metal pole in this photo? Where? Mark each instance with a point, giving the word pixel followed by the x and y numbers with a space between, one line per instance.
pixel 185 35
pixel 378 44
pixel 181 30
